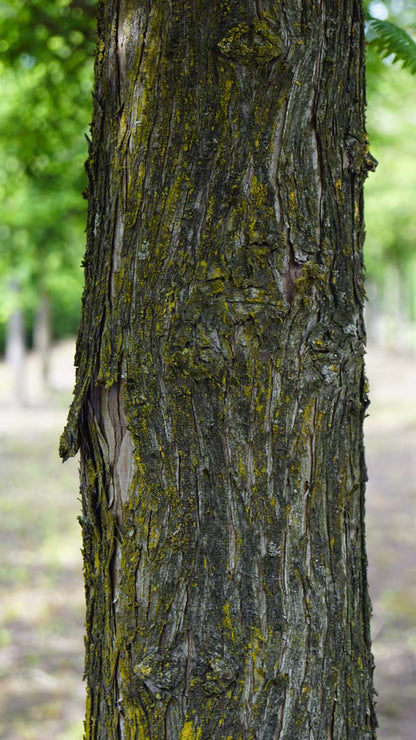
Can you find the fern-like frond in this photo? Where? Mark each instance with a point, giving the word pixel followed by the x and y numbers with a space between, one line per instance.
pixel 391 39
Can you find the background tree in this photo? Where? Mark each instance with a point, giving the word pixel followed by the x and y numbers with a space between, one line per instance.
pixel 389 249
pixel 45 107
pixel 220 387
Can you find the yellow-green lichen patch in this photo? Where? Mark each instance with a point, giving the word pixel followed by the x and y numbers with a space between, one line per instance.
pixel 257 43
pixel 227 621
pixel 189 732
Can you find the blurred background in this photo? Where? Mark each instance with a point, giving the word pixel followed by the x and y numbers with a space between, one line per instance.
pixel 46 55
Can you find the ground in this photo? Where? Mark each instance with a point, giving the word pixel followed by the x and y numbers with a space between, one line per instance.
pixel 41 591
pixel 391 541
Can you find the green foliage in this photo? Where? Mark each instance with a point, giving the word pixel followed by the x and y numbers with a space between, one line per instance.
pixel 390 223
pixel 391 40
pixel 45 109
pixel 391 119
pixel 45 30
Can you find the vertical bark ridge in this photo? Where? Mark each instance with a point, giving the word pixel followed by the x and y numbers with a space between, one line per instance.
pixel 220 389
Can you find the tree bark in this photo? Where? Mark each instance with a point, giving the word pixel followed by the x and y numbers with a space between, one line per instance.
pixel 220 387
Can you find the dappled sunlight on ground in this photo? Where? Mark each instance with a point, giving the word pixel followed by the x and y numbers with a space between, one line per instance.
pixel 41 591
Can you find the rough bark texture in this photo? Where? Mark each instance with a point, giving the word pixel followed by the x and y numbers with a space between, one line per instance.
pixel 220 389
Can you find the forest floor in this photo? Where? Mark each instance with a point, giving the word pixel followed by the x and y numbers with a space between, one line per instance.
pixel 41 591
pixel 391 538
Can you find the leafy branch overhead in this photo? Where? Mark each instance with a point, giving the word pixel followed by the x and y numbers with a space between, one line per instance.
pixel 392 40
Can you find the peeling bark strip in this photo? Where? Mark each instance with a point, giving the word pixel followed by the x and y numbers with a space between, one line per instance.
pixel 220 390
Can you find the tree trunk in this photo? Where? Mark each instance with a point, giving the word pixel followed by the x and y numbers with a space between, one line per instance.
pixel 15 351
pixel 42 336
pixel 220 388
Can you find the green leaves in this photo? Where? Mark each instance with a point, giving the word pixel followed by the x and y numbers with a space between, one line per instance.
pixel 34 31
pixel 391 40
pixel 46 59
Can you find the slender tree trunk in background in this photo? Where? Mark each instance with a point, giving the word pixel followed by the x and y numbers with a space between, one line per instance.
pixel 220 389
pixel 16 350
pixel 42 335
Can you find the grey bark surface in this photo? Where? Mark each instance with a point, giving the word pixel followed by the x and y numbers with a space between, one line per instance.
pixel 220 387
